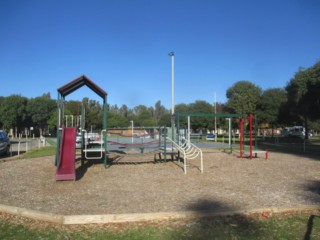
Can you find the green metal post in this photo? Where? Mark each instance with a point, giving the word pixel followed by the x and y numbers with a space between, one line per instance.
pixel 57 147
pixel 159 143
pixel 165 145
pixel 230 135
pixel 173 127
pixel 105 119
pixel 178 128
pixel 255 133
pixel 60 112
pixel 82 126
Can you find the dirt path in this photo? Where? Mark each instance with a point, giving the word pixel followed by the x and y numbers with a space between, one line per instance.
pixel 137 185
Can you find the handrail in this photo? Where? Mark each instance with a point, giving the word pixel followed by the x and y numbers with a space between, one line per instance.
pixel 179 148
pixel 101 150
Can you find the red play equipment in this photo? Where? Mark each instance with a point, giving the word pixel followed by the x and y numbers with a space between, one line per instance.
pixel 250 119
pixel 242 118
pixel 66 164
pixel 66 137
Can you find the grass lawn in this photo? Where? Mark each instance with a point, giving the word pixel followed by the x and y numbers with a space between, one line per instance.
pixel 280 227
pixel 41 152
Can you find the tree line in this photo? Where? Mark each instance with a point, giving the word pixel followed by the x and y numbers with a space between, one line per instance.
pixel 298 103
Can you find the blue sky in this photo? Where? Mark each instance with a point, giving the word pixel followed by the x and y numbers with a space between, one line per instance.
pixel 123 46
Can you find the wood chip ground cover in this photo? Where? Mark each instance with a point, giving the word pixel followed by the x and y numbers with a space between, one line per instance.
pixel 137 185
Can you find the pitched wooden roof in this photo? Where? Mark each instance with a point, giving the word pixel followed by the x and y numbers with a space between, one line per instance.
pixel 80 82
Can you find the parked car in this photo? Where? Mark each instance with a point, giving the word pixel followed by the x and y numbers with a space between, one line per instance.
pixel 88 137
pixel 210 137
pixel 285 132
pixel 93 136
pixel 297 131
pixel 79 141
pixel 4 143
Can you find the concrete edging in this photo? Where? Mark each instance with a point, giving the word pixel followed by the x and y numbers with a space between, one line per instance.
pixel 37 215
pixel 141 217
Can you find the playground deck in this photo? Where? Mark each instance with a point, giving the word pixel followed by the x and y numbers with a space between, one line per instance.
pixel 138 185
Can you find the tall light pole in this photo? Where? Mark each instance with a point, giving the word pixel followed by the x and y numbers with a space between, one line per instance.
pixel 215 117
pixel 171 54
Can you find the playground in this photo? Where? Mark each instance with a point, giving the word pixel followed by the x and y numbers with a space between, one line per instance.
pixel 147 177
pixel 164 141
pixel 140 185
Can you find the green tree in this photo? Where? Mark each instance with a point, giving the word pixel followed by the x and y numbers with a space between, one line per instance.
pixel 296 89
pixel 303 95
pixel 165 120
pixel 13 113
pixel 124 110
pixel 119 117
pixel 117 120
pixel 40 110
pixel 314 125
pixel 139 110
pixel 93 114
pixel 52 122
pixel 144 118
pixel 200 106
pixel 73 107
pixel 243 97
pixel 312 97
pixel 270 105
pixel 222 123
pixel 180 108
pixel 159 110
pixel 1 104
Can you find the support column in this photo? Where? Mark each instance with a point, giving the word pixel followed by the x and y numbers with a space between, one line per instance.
pixel 241 135
pixel 60 112
pixel 250 132
pixel 105 127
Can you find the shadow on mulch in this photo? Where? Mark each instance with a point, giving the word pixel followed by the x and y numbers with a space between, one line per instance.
pixel 83 168
pixel 314 187
pixel 113 160
pixel 298 149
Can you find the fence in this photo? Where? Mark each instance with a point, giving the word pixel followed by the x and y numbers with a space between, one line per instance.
pixel 20 146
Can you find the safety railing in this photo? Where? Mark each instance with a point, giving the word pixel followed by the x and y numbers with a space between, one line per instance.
pixel 100 149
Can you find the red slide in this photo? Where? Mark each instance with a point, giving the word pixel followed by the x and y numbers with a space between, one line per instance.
pixel 66 165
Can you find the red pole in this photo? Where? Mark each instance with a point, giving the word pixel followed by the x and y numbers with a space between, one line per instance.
pixel 240 134
pixel 266 153
pixel 250 127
